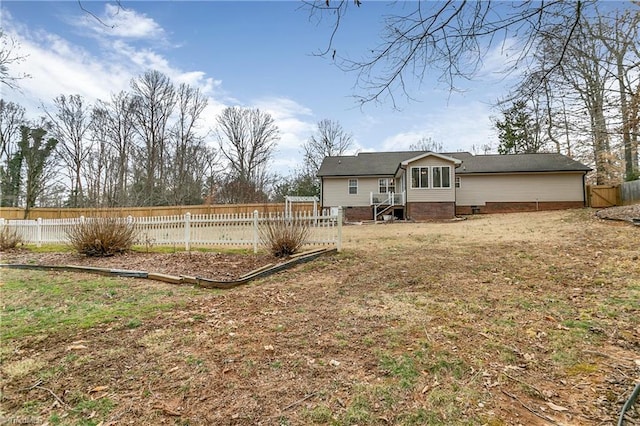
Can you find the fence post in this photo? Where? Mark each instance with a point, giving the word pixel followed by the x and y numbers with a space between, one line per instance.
pixel 339 242
pixel 255 231
pixel 187 231
pixel 39 233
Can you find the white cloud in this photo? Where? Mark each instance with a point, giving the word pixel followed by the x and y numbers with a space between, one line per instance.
pixel 120 22
pixel 57 66
pixel 402 141
pixel 281 108
pixel 457 128
pixel 291 118
pixel 296 124
pixel 500 61
pixel 198 79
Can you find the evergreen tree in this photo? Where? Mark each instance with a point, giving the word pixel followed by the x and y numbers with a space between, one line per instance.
pixel 518 132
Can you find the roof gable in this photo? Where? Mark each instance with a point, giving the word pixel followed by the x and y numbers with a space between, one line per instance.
pixel 431 154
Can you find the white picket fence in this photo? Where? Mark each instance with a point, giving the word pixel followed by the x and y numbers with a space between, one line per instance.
pixel 190 230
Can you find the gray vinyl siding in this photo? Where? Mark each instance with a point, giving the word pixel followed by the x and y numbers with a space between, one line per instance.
pixel 476 190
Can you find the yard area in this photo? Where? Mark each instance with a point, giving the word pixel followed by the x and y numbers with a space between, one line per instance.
pixel 516 319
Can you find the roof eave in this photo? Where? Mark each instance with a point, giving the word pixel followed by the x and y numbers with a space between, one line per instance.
pixel 462 172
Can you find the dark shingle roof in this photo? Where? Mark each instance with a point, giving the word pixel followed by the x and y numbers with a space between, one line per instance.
pixel 373 163
pixel 520 163
pixel 387 163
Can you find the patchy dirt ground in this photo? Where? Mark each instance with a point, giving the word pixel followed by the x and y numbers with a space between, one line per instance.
pixel 518 319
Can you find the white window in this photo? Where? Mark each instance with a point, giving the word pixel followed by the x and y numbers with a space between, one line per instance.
pixel 386 185
pixel 419 177
pixel 353 186
pixel 441 177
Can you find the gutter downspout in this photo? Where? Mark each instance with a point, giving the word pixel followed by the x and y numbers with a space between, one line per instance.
pixel 584 190
pixel 321 193
pixel 455 189
pixel 404 189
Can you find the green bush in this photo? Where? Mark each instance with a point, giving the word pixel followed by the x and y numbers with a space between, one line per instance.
pixel 103 236
pixel 9 238
pixel 283 237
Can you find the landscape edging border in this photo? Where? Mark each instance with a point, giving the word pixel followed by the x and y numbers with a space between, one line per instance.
pixel 182 279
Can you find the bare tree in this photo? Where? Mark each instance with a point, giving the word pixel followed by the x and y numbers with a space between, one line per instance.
pixel 11 118
pixel 210 174
pixel 186 178
pixel 8 57
pixel 586 97
pixel 100 165
pixel 330 140
pixel 451 38
pixel 71 121
pixel 118 119
pixel 426 144
pixel 620 36
pixel 154 96
pixel 247 139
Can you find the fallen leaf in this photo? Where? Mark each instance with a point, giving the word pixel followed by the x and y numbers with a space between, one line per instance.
pixel 556 407
pixel 76 347
pixel 99 389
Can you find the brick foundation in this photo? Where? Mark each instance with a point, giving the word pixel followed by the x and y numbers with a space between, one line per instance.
pixel 430 211
pixel 358 213
pixel 519 207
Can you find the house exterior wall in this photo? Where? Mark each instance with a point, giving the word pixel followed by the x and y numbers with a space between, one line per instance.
pixel 335 191
pixel 479 190
pixel 430 194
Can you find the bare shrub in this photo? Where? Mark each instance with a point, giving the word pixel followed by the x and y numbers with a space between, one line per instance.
pixel 103 236
pixel 283 237
pixel 9 238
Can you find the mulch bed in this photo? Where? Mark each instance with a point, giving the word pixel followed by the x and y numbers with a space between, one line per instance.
pixel 211 265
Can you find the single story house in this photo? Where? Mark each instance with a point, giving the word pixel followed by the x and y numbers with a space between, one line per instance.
pixel 424 185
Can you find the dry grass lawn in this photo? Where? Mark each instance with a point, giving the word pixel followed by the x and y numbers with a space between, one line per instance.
pixel 517 319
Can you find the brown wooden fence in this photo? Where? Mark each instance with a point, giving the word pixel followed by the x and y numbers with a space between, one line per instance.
pixel 62 213
pixel 601 196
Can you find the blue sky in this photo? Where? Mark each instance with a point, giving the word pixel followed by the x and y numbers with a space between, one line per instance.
pixel 246 53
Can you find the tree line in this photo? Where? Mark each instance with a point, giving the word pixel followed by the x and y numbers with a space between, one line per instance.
pixel 579 91
pixel 581 97
pixel 147 146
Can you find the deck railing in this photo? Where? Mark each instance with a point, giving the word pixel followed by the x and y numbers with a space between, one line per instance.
pixel 388 198
pixel 190 230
